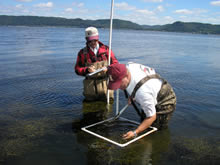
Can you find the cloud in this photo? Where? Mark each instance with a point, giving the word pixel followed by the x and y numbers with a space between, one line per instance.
pixel 78 4
pixel 152 0
pixel 199 11
pixel 45 5
pixel 24 0
pixel 160 8
pixel 19 6
pixel 124 6
pixel 183 11
pixel 69 10
pixel 168 18
pixel 215 3
pixel 146 12
pixel 133 13
pixel 25 11
pixel 78 10
pixel 190 12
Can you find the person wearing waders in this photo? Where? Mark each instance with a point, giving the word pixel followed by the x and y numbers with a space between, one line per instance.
pixel 145 87
pixel 94 56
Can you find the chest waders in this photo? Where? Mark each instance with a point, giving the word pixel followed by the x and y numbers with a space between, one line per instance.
pixel 95 87
pixel 166 101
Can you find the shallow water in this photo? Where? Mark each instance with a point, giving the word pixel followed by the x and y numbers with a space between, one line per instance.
pixel 42 108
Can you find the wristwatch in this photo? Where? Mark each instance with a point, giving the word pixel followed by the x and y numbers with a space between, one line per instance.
pixel 135 134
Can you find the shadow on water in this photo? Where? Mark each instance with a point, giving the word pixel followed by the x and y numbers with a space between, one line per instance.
pixel 92 112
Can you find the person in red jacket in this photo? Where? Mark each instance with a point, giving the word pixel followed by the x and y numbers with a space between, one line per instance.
pixel 94 56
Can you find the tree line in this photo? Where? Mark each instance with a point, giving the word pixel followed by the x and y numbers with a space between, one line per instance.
pixel 190 27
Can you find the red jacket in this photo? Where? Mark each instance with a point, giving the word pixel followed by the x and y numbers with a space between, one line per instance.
pixel 90 57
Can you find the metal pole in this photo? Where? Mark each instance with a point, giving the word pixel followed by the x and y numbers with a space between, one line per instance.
pixel 117 102
pixel 110 43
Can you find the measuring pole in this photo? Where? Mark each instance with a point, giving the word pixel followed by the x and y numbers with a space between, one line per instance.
pixel 110 42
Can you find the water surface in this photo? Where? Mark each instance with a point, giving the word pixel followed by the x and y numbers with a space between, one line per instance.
pixel 42 108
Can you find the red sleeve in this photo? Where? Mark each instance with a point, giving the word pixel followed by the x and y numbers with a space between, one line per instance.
pixel 80 67
pixel 113 58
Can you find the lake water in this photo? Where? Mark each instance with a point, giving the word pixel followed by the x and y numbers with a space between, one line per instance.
pixel 42 108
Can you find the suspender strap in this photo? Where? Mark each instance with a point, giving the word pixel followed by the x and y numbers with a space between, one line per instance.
pixel 139 112
pixel 142 81
pixel 138 85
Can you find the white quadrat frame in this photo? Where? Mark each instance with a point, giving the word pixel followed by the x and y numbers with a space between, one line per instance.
pixel 153 129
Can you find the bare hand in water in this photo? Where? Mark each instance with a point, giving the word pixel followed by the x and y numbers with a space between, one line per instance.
pixel 129 135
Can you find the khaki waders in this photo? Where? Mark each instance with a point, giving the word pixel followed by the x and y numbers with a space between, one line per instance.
pixel 95 87
pixel 166 104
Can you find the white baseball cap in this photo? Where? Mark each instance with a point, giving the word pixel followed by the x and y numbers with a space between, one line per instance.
pixel 91 33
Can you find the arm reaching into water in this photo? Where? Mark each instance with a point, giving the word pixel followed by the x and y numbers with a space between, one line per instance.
pixel 143 126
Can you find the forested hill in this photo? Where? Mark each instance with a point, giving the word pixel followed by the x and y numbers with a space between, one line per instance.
pixel 191 27
pixel 57 21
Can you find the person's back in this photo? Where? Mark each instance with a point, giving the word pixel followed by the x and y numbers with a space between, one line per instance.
pixel 154 94
pixel 146 95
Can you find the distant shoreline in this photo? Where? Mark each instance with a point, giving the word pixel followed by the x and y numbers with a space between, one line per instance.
pixel 186 27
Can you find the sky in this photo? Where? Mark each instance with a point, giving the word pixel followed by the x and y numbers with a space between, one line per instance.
pixel 143 12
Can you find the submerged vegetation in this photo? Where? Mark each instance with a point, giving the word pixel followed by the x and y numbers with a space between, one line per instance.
pixel 22 135
pixel 194 151
pixel 22 129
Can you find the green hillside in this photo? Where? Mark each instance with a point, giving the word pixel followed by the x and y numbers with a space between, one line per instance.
pixel 190 27
pixel 57 21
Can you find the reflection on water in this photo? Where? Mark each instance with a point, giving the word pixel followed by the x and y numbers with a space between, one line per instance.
pixel 42 109
pixel 92 112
